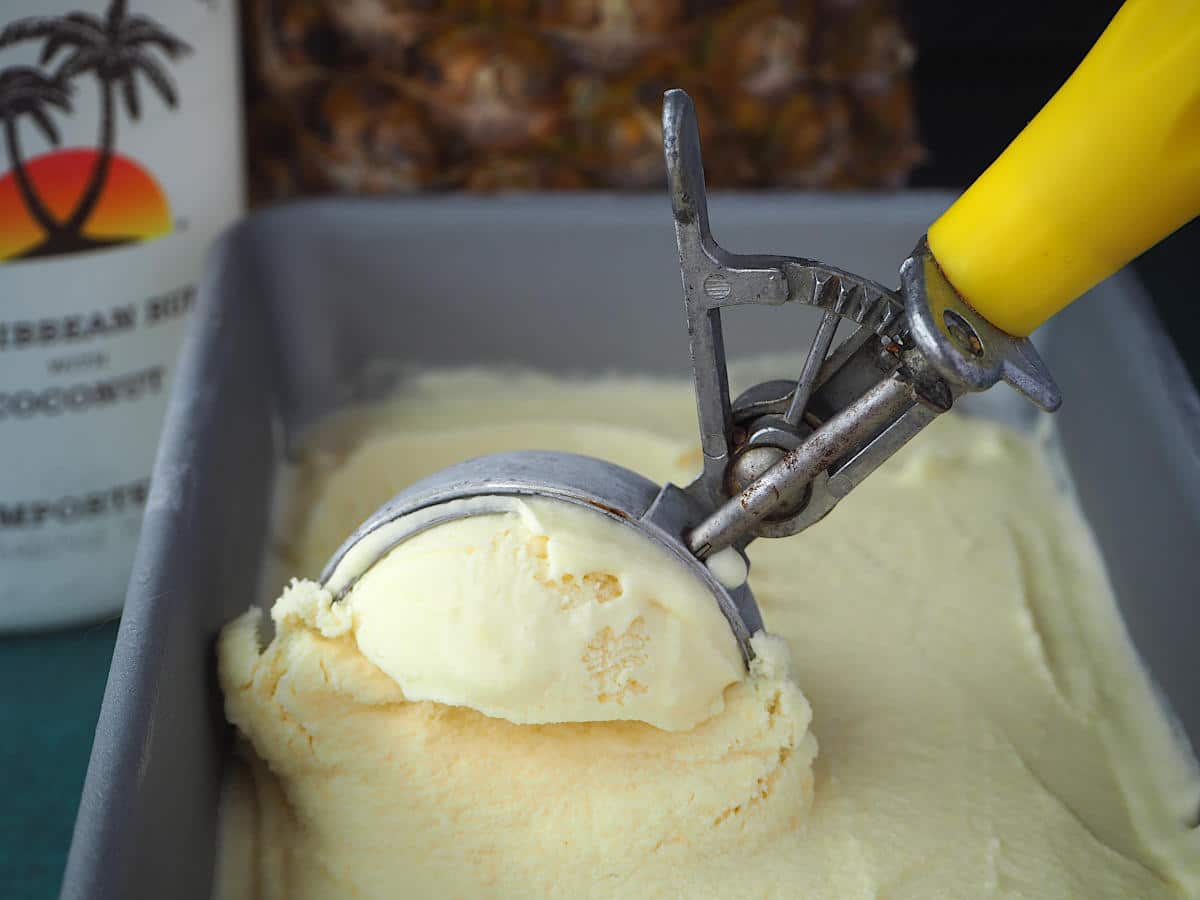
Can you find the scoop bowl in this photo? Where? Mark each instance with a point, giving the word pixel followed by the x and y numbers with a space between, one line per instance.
pixel 660 514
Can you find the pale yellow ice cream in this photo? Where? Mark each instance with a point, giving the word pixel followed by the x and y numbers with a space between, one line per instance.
pixel 548 613
pixel 984 727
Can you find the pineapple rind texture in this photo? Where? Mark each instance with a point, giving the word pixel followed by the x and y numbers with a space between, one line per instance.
pixel 378 96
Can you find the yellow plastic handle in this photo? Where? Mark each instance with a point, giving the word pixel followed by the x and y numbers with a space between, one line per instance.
pixel 1107 169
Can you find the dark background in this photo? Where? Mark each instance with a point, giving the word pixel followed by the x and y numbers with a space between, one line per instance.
pixel 983 70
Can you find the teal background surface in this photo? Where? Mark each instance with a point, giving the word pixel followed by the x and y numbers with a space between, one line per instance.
pixel 51 686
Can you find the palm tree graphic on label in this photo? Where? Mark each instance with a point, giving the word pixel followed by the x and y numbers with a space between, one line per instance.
pixel 75 199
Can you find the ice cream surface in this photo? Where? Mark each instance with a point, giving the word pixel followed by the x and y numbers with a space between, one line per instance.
pixel 547 613
pixel 524 706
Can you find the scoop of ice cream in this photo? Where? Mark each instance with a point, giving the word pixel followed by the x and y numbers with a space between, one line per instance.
pixel 549 612
pixel 356 782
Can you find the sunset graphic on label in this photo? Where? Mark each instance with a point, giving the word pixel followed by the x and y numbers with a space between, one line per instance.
pixel 75 199
pixel 132 206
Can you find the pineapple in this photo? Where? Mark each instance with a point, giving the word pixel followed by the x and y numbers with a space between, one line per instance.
pixel 364 134
pixel 486 95
pixel 292 42
pixel 807 145
pixel 492 88
pixel 272 133
pixel 865 47
pixel 386 29
pixel 617 125
pixel 762 49
pixel 885 146
pixel 759 56
pixel 617 128
pixel 611 36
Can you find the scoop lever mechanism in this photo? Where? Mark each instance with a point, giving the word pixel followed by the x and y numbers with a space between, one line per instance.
pixel 779 457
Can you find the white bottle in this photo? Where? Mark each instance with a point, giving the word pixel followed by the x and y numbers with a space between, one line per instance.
pixel 120 160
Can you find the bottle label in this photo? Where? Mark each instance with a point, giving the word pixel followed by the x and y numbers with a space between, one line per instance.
pixel 120 162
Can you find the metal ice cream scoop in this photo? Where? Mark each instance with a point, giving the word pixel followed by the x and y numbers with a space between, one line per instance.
pixel 779 457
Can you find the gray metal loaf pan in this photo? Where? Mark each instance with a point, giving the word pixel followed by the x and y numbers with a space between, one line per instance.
pixel 298 301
